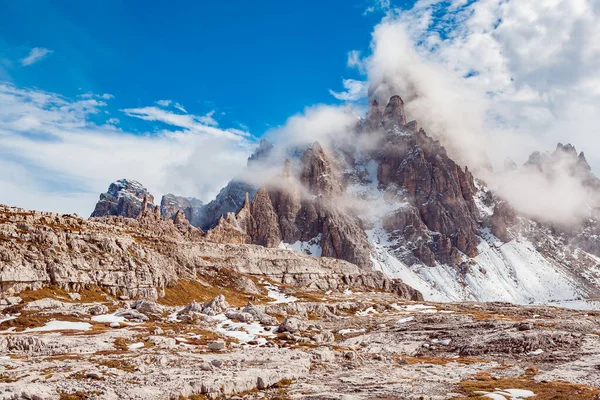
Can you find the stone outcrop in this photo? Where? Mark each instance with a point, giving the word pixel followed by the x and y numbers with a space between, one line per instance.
pixel 124 198
pixel 189 206
pixel 230 199
pixel 143 256
pixel 301 208
pixel 438 220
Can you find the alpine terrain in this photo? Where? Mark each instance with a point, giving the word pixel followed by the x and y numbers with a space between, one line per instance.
pixel 366 265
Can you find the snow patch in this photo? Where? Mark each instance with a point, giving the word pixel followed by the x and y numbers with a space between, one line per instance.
pixel 311 247
pixel 513 272
pixel 61 326
pixel 136 346
pixel 242 331
pixel 275 293
pixel 107 318
pixel 349 331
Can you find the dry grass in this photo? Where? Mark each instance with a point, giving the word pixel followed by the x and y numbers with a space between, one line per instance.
pixel 8 379
pixel 31 319
pixel 90 294
pixel 203 291
pixel 78 395
pixel 442 360
pixel 555 390
pixel 122 344
pixel 119 363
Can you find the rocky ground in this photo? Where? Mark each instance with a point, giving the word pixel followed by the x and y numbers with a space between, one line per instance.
pixel 291 344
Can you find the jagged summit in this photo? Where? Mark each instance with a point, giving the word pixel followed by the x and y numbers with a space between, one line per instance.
pixel 563 157
pixel 124 198
pixel 391 118
pixel 170 204
pixel 392 198
pixel 394 111
pixel 262 152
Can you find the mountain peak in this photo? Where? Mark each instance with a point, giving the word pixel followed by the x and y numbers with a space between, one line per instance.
pixel 394 111
pixel 262 151
pixel 124 197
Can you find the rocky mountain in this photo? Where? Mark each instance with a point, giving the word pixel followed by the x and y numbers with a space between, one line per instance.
pixel 189 206
pixel 316 283
pixel 144 256
pixel 388 196
pixel 125 198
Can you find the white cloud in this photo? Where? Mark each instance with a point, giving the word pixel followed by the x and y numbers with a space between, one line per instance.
pixel 36 54
pixel 54 159
pixel 354 90
pixel 167 103
pixel 208 118
pixel 190 123
pixel 355 61
pixel 378 5
pixel 496 78
pixel 180 107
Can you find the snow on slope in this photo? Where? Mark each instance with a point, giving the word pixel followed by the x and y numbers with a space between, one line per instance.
pixel 311 247
pixel 514 272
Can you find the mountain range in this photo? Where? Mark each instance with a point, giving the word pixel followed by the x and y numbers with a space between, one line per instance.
pixel 387 196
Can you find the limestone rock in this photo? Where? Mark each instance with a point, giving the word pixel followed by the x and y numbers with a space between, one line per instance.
pixel 218 305
pixel 189 206
pixel 123 198
pixel 291 325
pixel 148 307
pixel 141 257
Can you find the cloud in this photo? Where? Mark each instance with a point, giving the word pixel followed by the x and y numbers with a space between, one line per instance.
pixel 191 123
pixel 208 118
pixel 180 107
pixel 321 123
pixel 494 79
pixel 53 158
pixel 355 90
pixel 164 103
pixel 36 54
pixel 167 103
pixel 378 5
pixel 355 61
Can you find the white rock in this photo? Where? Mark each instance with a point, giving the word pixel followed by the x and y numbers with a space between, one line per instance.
pixel 218 345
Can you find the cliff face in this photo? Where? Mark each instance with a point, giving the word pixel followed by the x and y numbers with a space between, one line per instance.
pixel 436 218
pixel 124 198
pixel 143 255
pixel 189 206
pixel 301 208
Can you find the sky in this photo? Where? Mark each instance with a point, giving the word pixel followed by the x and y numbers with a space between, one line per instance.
pixel 177 95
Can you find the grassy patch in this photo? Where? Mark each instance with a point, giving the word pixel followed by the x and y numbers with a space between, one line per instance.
pixel 119 363
pixel 122 344
pixel 206 289
pixel 555 390
pixel 32 319
pixel 78 395
pixel 442 360
pixel 90 294
pixel 8 379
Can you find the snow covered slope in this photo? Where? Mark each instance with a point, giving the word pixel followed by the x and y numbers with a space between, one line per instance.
pixel 513 272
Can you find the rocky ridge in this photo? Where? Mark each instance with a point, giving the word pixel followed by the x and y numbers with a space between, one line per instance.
pixel 401 205
pixel 146 255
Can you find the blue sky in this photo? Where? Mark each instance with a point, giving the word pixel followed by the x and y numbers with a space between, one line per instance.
pixel 176 94
pixel 254 62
